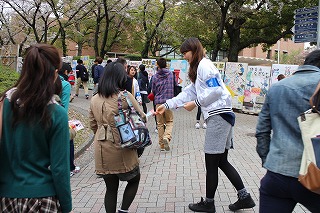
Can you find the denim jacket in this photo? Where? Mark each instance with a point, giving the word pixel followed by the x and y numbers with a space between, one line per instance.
pixel 279 142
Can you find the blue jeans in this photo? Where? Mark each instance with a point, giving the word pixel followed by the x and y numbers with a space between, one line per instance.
pixel 280 194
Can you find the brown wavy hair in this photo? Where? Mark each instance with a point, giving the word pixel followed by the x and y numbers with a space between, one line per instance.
pixel 195 46
pixel 35 86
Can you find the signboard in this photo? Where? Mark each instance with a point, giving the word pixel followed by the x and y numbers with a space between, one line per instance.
pixel 285 69
pixel 257 85
pixel 180 69
pixel 306 23
pixel 235 81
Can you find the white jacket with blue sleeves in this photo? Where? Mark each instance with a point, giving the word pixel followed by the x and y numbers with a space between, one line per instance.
pixel 209 92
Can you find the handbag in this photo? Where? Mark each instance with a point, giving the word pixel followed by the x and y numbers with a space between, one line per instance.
pixel 176 88
pixel 151 96
pixel 309 123
pixel 132 130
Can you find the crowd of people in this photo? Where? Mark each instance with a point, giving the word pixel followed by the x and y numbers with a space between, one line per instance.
pixel 37 149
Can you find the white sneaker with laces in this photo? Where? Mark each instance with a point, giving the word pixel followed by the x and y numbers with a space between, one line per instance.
pixel 204 125
pixel 197 125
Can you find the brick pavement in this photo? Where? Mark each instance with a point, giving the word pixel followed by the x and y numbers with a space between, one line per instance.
pixel 172 180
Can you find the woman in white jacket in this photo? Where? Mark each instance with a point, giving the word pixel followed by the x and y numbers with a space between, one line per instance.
pixel 135 90
pixel 209 92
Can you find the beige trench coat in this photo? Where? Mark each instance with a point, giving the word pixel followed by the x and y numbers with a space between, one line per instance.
pixel 110 158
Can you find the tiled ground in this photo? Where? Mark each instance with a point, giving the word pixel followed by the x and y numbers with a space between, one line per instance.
pixel 172 180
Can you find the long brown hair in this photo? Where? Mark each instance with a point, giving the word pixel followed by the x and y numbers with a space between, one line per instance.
pixel 35 86
pixel 195 46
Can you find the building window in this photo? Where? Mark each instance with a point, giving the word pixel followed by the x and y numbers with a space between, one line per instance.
pixel 221 55
pixel 276 55
pixel 269 54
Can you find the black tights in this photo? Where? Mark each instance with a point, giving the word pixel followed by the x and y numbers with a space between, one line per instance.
pixel 199 113
pixel 112 184
pixel 215 161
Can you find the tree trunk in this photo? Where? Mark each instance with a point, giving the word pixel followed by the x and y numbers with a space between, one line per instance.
pixel 219 37
pixel 80 46
pixel 233 31
pixel 145 51
pixel 63 41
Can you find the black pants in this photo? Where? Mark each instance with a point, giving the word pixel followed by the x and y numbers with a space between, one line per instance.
pixel 198 113
pixel 279 193
pixel 72 166
pixel 215 161
pixel 112 184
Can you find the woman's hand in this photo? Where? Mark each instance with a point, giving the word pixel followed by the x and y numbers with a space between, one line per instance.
pixel 160 109
pixel 190 105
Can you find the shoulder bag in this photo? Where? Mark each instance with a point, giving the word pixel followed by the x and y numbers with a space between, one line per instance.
pixel 132 130
pixel 309 123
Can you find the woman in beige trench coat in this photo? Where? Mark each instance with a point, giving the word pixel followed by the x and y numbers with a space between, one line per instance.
pixel 112 162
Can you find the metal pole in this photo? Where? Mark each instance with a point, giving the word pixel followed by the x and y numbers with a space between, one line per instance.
pixel 318 26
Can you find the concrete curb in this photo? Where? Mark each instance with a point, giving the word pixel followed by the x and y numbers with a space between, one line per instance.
pixel 83 147
pixel 80 150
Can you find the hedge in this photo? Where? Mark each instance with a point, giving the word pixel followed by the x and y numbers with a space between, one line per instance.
pixel 8 78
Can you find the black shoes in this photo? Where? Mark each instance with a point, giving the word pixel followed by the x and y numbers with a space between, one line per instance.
pixel 203 206
pixel 246 203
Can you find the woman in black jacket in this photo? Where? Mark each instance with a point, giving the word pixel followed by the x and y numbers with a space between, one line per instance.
pixel 143 85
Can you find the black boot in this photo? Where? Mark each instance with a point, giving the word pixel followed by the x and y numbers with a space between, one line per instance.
pixel 245 203
pixel 203 206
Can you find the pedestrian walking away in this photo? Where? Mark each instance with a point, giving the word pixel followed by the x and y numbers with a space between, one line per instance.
pixel 143 85
pixel 82 78
pixel 279 141
pixel 112 162
pixel 97 74
pixel 162 88
pixel 34 151
pixel 208 91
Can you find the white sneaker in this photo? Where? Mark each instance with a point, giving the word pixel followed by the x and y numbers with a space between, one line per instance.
pixel 156 130
pixel 76 169
pixel 197 125
pixel 204 125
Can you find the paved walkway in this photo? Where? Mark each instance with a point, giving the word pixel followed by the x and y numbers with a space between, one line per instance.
pixel 172 180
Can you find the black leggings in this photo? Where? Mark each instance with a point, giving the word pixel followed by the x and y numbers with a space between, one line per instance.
pixel 110 198
pixel 199 113
pixel 215 161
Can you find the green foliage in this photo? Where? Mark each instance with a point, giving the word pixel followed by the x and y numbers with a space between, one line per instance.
pixel 295 57
pixel 8 78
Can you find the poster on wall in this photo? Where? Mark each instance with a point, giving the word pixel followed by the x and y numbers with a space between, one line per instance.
pixel 180 69
pixel 235 81
pixel 67 59
pixel 150 66
pixel 221 67
pixel 257 85
pixel 135 63
pixel 285 69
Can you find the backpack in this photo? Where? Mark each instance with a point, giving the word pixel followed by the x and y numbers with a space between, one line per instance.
pixel 85 74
